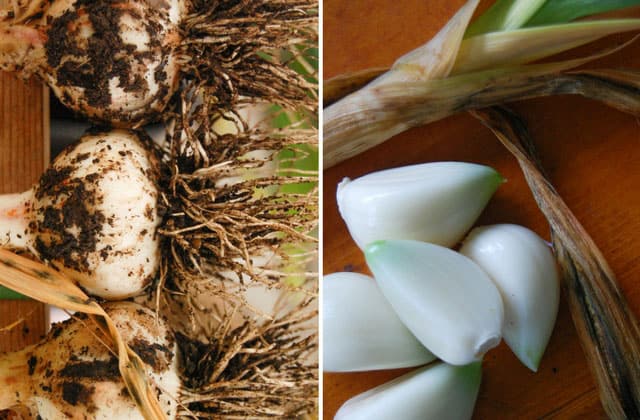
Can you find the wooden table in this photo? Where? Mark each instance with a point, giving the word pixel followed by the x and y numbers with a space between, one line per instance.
pixel 591 152
pixel 24 151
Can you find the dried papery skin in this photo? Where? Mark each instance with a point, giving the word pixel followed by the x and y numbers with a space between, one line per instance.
pixel 72 371
pixel 608 329
pixel 112 62
pixel 93 214
pixel 369 115
pixel 417 104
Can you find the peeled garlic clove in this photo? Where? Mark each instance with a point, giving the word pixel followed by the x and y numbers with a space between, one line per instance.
pixel 360 329
pixel 443 297
pixel 438 391
pixel 433 202
pixel 521 265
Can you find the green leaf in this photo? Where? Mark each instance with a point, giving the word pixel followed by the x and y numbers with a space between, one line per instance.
pixel 7 294
pixel 559 11
pixel 508 48
pixel 504 15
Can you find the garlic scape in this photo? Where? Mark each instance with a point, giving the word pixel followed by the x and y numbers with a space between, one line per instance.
pixel 523 268
pixel 111 61
pixel 93 214
pixel 443 297
pixel 433 202
pixel 72 374
pixel 360 329
pixel 435 392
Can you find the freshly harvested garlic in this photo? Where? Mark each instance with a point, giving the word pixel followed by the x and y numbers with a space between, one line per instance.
pixel 443 297
pixel 361 331
pixel 114 62
pixel 435 392
pixel 523 268
pixel 72 374
pixel 433 202
pixel 93 214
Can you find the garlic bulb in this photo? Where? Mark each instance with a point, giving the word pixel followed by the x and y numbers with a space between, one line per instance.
pixel 443 297
pixel 435 392
pixel 93 215
pixel 433 202
pixel 72 374
pixel 360 330
pixel 521 265
pixel 113 62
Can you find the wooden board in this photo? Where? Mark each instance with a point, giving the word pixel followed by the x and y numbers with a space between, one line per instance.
pixel 591 152
pixel 24 149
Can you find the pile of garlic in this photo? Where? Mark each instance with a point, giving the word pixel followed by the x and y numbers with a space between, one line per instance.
pixel 430 302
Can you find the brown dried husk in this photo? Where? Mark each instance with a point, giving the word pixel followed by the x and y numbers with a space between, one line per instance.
pixel 395 107
pixel 45 284
pixel 228 227
pixel 607 327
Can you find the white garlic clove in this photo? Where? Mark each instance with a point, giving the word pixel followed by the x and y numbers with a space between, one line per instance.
pixel 443 297
pixel 360 329
pixel 434 202
pixel 438 391
pixel 523 268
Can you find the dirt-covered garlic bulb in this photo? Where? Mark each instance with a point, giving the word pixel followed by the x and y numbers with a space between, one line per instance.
pixel 112 61
pixel 71 374
pixel 93 214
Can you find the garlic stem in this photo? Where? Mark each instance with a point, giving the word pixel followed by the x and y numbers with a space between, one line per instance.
pixel 14 220
pixel 18 45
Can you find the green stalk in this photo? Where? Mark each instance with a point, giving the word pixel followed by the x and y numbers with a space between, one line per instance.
pixel 8 294
pixel 504 15
pixel 559 11
pixel 529 44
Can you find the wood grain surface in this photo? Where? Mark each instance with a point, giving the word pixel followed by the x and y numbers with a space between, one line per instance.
pixel 24 149
pixel 590 151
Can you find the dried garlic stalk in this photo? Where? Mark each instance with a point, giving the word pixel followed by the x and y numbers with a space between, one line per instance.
pixel 607 327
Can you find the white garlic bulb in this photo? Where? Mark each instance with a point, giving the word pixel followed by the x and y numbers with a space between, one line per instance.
pixel 93 214
pixel 73 374
pixel 114 62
